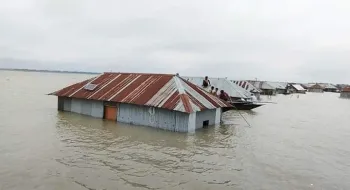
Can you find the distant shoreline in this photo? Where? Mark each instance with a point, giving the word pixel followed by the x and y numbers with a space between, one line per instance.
pixel 48 71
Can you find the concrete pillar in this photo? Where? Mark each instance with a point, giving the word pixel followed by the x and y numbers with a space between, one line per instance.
pixel 191 122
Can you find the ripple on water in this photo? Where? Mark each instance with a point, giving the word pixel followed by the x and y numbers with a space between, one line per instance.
pixel 289 145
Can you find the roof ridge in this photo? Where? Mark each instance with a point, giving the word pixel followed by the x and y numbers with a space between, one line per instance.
pixel 128 73
pixel 186 102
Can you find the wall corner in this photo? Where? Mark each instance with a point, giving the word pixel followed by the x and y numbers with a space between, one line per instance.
pixel 218 115
pixel 191 122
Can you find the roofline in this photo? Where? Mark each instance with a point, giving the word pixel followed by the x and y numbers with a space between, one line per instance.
pixel 162 74
pixel 186 111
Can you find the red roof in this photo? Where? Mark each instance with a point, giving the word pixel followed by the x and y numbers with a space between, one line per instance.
pixel 346 89
pixel 156 90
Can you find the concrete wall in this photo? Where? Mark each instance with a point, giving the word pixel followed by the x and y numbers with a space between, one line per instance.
pixel 345 95
pixel 162 118
pixel 85 107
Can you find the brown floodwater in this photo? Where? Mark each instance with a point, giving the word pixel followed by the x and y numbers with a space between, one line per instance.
pixel 297 143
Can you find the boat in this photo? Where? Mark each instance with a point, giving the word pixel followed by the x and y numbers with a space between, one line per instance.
pixel 245 105
pixel 239 105
pixel 240 98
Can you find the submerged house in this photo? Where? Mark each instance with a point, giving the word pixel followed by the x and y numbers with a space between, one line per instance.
pixel 232 89
pixel 306 86
pixel 157 100
pixel 341 86
pixel 345 93
pixel 281 87
pixel 316 88
pixel 296 88
pixel 248 87
pixel 329 88
pixel 265 87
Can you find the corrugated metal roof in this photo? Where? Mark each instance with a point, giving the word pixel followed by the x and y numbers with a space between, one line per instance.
pixel 267 85
pixel 308 85
pixel 262 85
pixel 298 87
pixel 228 86
pixel 330 86
pixel 157 90
pixel 246 85
pixel 278 85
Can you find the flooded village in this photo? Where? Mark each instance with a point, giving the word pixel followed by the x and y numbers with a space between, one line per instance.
pixel 173 102
pixel 161 131
pixel 174 95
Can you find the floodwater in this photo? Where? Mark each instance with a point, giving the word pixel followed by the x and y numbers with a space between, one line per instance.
pixel 298 143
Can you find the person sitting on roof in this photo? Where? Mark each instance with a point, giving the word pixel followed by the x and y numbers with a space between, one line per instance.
pixel 224 96
pixel 206 82
pixel 216 91
pixel 212 91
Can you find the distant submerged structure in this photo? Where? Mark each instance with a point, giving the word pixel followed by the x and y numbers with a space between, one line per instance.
pixel 345 93
pixel 316 88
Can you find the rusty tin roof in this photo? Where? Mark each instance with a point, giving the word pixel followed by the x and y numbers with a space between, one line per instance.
pixel 157 90
pixel 346 89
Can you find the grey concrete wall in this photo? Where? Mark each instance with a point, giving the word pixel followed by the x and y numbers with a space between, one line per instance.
pixel 87 107
pixel 205 115
pixel 162 118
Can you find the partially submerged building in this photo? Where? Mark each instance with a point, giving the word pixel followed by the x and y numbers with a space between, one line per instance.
pixel 329 88
pixel 280 87
pixel 296 88
pixel 316 88
pixel 157 100
pixel 233 90
pixel 248 87
pixel 306 86
pixel 345 93
pixel 341 86
pixel 265 87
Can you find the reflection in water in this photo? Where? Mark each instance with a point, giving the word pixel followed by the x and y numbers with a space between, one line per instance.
pixel 135 152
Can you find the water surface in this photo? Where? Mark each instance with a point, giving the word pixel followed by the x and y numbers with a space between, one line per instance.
pixel 298 143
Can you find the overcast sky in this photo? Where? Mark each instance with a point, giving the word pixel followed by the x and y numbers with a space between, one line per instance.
pixel 285 40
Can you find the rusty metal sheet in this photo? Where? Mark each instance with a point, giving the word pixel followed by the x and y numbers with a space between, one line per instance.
pixel 156 90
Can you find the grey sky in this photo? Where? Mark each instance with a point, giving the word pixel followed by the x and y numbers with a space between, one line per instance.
pixel 295 40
